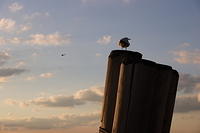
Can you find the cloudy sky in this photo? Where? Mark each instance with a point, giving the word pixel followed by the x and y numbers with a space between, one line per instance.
pixel 44 92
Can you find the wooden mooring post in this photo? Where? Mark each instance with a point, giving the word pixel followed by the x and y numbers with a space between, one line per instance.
pixel 115 60
pixel 139 95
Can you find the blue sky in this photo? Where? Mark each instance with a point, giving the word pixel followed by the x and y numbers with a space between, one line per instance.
pixel 37 84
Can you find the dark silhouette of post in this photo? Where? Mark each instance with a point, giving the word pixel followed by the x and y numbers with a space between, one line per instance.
pixel 170 102
pixel 159 101
pixel 110 91
pixel 115 60
pixel 142 91
pixel 124 90
pixel 139 95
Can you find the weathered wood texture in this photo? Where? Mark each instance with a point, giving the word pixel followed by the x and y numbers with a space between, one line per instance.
pixel 111 86
pixel 159 101
pixel 123 94
pixel 170 102
pixel 139 95
pixel 142 92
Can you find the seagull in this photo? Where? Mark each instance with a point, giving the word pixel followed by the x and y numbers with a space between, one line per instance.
pixel 63 54
pixel 124 42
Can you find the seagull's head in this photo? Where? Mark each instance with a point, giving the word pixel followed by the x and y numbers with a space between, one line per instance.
pixel 125 39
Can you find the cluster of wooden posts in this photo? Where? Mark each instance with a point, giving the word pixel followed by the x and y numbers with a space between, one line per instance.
pixel 139 95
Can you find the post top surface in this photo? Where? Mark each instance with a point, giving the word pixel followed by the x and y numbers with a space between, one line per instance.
pixel 124 52
pixel 175 72
pixel 164 67
pixel 147 62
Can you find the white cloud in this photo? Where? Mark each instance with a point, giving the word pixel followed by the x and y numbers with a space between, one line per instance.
pixel 14 7
pixel 30 78
pixel 7 25
pixel 57 101
pixel 188 98
pixel 11 101
pixel 14 40
pixel 7 72
pixel 49 39
pixel 105 39
pixel 43 75
pixel 189 83
pixel 24 28
pixel 187 103
pixel 63 121
pixel 93 94
pixel 2 41
pixel 3 79
pixel 4 56
pixel 46 75
pixel 20 64
pixel 54 39
pixel 187 56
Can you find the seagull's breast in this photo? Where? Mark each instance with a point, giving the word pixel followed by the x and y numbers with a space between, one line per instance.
pixel 124 44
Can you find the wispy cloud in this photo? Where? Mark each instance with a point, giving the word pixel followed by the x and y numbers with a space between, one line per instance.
pixel 54 39
pixel 24 28
pixel 7 25
pixel 42 75
pixel 2 41
pixel 81 97
pixel 189 83
pixel 30 78
pixel 46 75
pixel 105 39
pixel 188 98
pixel 49 39
pixel 187 103
pixel 63 121
pixel 3 79
pixel 6 72
pixel 4 56
pixel 186 56
pixel 14 40
pixel 20 64
pixel 14 7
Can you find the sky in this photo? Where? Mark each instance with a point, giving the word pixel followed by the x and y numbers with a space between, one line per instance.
pixel 44 92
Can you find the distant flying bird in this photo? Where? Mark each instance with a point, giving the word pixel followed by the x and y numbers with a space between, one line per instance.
pixel 63 54
pixel 124 42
